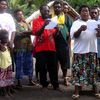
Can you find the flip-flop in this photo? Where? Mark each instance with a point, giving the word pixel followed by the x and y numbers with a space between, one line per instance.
pixel 75 97
pixel 97 96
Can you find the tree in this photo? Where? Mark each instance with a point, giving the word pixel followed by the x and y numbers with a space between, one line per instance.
pixel 77 3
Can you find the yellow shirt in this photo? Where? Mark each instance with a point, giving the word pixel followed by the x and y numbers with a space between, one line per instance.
pixel 5 59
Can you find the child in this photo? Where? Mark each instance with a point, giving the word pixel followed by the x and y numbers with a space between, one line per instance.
pixel 6 80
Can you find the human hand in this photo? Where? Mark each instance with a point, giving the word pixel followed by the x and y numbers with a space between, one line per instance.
pixel 83 28
pixel 47 21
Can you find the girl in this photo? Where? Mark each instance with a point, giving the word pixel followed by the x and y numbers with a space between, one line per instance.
pixel 6 80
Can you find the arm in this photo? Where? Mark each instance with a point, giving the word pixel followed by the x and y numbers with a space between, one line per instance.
pixel 98 32
pixel 78 32
pixel 37 29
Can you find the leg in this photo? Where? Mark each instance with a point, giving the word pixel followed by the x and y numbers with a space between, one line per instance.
pixel 53 70
pixel 31 82
pixel 65 63
pixel 96 92
pixel 19 83
pixel 37 71
pixel 18 58
pixel 76 94
pixel 41 59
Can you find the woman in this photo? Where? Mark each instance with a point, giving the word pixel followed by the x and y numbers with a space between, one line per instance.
pixel 85 51
pixel 23 49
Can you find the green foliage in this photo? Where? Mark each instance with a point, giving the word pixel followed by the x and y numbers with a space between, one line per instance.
pixel 77 3
pixel 29 6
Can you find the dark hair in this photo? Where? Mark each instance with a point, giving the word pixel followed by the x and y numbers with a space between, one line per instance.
pixel 3 35
pixel 95 7
pixel 41 7
pixel 64 3
pixel 58 2
pixel 16 11
pixel 83 6
pixel 3 0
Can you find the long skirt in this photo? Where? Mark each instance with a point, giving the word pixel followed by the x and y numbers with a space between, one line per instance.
pixel 6 78
pixel 24 64
pixel 85 69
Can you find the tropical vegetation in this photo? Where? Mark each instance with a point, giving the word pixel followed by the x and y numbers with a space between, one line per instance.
pixel 29 6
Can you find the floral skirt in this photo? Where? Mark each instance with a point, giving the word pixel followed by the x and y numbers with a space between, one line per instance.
pixel 85 69
pixel 6 78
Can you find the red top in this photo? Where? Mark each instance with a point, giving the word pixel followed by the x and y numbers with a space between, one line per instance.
pixel 44 42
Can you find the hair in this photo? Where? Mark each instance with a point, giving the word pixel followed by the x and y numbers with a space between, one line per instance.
pixel 58 2
pixel 16 11
pixel 65 4
pixel 3 0
pixel 3 35
pixel 41 7
pixel 95 7
pixel 83 6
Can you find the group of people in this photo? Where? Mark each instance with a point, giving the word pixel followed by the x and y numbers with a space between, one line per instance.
pixel 52 47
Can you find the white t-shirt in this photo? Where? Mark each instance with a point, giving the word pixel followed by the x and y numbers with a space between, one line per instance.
pixel 87 41
pixel 7 23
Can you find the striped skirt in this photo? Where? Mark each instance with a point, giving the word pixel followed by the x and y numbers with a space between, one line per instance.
pixel 24 64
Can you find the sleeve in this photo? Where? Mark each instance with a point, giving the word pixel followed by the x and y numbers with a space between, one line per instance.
pixel 73 29
pixel 35 26
pixel 70 24
pixel 12 24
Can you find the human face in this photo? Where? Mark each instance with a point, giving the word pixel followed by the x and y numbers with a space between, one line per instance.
pixel 3 6
pixel 65 8
pixel 84 13
pixel 4 39
pixel 20 16
pixel 94 13
pixel 57 9
pixel 45 12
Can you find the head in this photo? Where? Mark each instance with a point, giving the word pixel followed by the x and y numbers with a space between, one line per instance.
pixel 3 6
pixel 58 7
pixel 94 13
pixel 45 11
pixel 65 8
pixel 84 12
pixel 19 15
pixel 4 36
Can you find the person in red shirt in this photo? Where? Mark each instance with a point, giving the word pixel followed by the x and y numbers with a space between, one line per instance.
pixel 45 48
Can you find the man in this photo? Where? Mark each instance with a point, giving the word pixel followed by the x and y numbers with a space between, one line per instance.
pixel 94 13
pixel 45 48
pixel 62 39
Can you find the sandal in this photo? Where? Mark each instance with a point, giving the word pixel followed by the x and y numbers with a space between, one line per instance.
pixel 66 81
pixel 97 96
pixel 75 97
pixel 32 83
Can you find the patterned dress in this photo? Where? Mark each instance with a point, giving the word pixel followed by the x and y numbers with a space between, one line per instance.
pixel 23 52
pixel 6 78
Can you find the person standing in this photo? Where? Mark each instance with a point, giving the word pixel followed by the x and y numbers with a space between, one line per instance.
pixel 62 39
pixel 94 13
pixel 45 48
pixel 85 64
pixel 7 23
pixel 6 79
pixel 23 48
